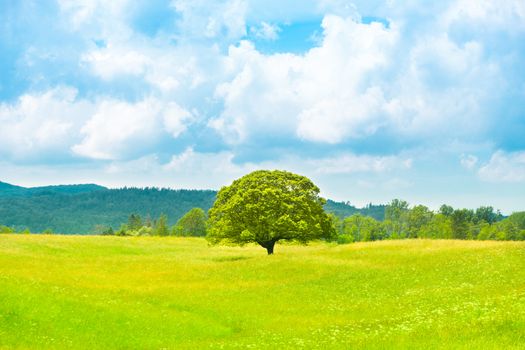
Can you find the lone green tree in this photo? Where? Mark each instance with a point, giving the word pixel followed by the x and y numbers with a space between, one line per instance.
pixel 265 207
pixel 193 223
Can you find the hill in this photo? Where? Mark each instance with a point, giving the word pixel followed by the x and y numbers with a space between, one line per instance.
pixel 79 208
pixel 8 190
pixel 344 209
pixel 71 292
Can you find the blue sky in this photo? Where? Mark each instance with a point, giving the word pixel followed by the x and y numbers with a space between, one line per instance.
pixel 373 100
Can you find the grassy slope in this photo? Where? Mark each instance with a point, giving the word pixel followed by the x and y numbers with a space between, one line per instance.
pixel 110 292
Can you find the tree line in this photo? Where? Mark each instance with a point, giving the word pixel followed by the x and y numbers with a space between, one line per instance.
pixel 78 209
pixel 191 224
pixel 402 221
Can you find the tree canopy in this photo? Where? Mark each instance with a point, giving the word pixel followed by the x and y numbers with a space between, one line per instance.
pixel 265 207
pixel 193 223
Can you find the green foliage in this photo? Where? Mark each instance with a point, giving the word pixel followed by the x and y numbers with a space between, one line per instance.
pixel 122 231
pixel 160 227
pixel 345 209
pixel 6 229
pixel 193 223
pixel 460 223
pixel 487 214
pixel 439 227
pixel 446 210
pixel 420 222
pixel 134 222
pixel 78 209
pixel 518 219
pixel 396 213
pixel 48 231
pixel 103 230
pixel 268 206
pixel 362 228
pixel 136 227
pixel 417 218
pixel 142 231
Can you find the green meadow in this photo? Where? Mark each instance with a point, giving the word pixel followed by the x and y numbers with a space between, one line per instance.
pixel 88 292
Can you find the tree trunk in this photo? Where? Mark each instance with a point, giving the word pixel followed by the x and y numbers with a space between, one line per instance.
pixel 269 247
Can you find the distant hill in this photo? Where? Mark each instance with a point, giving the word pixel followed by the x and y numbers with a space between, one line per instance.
pixel 79 208
pixel 8 190
pixel 344 209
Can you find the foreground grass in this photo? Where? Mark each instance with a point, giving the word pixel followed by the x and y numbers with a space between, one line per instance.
pixel 128 293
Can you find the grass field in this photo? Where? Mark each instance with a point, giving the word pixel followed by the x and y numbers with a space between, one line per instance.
pixel 175 293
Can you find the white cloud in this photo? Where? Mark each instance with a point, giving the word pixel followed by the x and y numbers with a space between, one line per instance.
pixel 443 88
pixel 468 161
pixel 117 126
pixel 57 124
pixel 352 163
pixel 98 19
pixel 508 15
pixel 175 119
pixel 504 167
pixel 266 31
pixel 217 19
pixel 109 62
pixel 119 129
pixel 193 169
pixel 362 78
pixel 322 96
pixel 42 124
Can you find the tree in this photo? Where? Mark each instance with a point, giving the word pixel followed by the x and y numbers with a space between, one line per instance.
pixel 362 228
pixel 461 219
pixel 439 227
pixel 5 229
pixel 518 219
pixel 417 217
pixel 161 226
pixel 486 214
pixel 446 210
pixel 396 215
pixel 265 207
pixel 134 222
pixel 193 223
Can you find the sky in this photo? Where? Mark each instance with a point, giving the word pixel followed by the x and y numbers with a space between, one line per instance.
pixel 372 100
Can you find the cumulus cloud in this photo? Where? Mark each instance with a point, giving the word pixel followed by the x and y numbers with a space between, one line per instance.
pixel 504 167
pixel 361 79
pixel 321 96
pixel 42 125
pixel 57 124
pixel 121 129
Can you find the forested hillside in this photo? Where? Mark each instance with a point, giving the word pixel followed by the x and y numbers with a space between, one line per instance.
pixel 345 209
pixel 79 208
